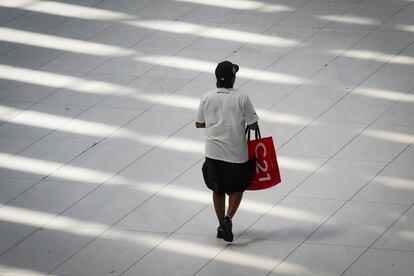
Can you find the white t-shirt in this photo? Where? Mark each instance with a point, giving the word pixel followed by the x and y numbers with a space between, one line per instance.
pixel 226 112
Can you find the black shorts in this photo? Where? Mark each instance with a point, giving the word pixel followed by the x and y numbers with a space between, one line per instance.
pixel 225 177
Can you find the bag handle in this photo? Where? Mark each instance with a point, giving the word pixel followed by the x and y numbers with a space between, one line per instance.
pixel 256 133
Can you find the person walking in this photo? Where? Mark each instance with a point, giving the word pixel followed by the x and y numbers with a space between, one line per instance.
pixel 224 113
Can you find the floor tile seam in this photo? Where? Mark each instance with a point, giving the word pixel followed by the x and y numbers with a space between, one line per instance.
pixel 5 25
pixel 14 18
pixel 69 161
pixel 387 164
pixel 45 178
pixel 200 37
pixel 260 216
pixel 156 31
pixel 364 122
pixel 236 238
pixel 101 184
pixel 350 90
pixel 300 243
pixel 19 45
pixel 110 227
pixel 399 100
pixel 84 196
pixel 409 251
pixel 65 52
pixel 196 40
pixel 341 28
pixel 55 91
pixel 353 200
pixel 48 31
pixel 58 140
pixel 318 198
pixel 40 227
pixel 161 242
pixel 305 240
pixel 284 54
pixel 303 181
pixel 355 28
pixel 106 107
pixel 107 96
pixel 331 244
pixel 281 199
pixel 42 178
pixel 44 225
pixel 229 246
pixel 186 47
pixel 381 203
pixel 242 44
pixel 91 70
pixel 334 57
pixel 364 160
pixel 335 212
pixel 90 107
pixel 20 102
pixel 92 144
pixel 403 162
pixel 20 178
pixel 211 260
pixel 150 148
pixel 92 36
pixel 305 2
pixel 375 241
pixel 395 124
pixel 31 103
pixel 347 201
pixel 365 248
pixel 340 208
pixel 47 104
pixel 336 158
pixel 36 182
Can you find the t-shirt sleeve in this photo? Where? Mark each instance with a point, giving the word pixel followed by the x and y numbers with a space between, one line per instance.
pixel 250 115
pixel 200 113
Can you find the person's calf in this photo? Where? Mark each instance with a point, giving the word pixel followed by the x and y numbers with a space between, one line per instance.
pixel 234 203
pixel 219 201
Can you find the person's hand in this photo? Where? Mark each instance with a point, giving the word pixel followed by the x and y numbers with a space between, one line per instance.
pixel 253 126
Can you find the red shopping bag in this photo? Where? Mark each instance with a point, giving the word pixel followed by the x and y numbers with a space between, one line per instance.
pixel 262 155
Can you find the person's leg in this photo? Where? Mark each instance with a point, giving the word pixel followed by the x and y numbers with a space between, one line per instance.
pixel 219 201
pixel 234 202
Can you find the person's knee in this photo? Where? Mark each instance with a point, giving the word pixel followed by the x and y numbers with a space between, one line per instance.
pixel 236 194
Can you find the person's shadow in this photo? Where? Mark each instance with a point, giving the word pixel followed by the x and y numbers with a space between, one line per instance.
pixel 293 234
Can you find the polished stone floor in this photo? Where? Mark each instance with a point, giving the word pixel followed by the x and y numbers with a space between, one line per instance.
pixel 100 162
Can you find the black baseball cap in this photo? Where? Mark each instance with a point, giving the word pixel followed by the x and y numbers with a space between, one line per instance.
pixel 226 70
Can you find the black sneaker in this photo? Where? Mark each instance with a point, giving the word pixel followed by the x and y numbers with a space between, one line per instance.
pixel 220 232
pixel 228 226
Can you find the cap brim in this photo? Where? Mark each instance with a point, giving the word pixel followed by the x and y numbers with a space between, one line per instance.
pixel 235 68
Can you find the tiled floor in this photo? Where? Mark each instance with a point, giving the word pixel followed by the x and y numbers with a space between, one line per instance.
pixel 100 163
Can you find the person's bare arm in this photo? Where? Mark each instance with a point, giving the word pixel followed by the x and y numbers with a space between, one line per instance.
pixel 200 125
pixel 253 126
